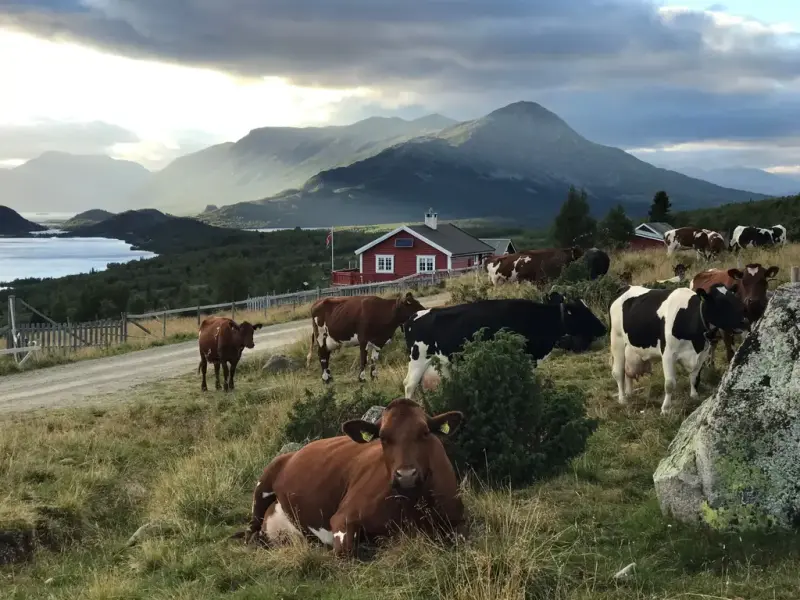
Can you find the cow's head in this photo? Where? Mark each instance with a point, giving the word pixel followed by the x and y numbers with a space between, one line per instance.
pixel 752 288
pixel 410 440
pixel 580 325
pixel 244 332
pixel 715 242
pixel 680 271
pixel 722 308
pixel 407 306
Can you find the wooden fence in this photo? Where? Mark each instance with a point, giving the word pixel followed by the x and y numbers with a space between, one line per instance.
pixel 69 335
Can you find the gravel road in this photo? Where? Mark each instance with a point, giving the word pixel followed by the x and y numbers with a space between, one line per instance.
pixel 77 383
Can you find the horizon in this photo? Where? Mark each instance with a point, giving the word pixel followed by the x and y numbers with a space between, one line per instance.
pixel 678 84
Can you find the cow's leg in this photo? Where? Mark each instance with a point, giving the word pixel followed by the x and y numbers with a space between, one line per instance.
pixel 362 350
pixel 225 375
pixel 417 365
pixel 618 367
pixel 668 365
pixel 727 338
pixel 203 368
pixel 375 354
pixel 345 534
pixel 324 360
pixel 233 371
pixel 216 374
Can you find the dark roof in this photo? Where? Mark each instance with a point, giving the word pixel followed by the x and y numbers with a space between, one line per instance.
pixel 450 237
pixel 499 244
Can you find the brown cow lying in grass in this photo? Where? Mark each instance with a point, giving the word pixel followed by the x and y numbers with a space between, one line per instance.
pixel 370 483
pixel 222 341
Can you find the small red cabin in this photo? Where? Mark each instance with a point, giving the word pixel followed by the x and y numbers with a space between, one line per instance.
pixel 412 249
pixel 649 235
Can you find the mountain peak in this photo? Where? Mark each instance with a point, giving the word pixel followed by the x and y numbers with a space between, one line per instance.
pixel 527 110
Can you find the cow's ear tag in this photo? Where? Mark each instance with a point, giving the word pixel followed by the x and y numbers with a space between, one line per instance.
pixel 366 436
pixel 445 428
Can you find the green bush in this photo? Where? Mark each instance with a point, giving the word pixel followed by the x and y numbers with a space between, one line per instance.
pixel 321 415
pixel 518 426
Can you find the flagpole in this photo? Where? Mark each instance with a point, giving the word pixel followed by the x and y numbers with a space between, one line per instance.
pixel 331 250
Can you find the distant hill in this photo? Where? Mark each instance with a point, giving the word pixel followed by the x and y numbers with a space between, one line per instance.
pixel 153 230
pixel 271 159
pixel 61 182
pixel 12 223
pixel 758 180
pixel 516 162
pixel 88 217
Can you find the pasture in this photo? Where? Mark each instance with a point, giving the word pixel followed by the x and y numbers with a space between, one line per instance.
pixel 185 463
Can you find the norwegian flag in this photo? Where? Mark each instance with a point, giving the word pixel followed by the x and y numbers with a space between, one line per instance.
pixel 329 239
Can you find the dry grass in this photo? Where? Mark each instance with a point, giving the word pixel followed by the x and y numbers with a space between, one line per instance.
pixel 185 462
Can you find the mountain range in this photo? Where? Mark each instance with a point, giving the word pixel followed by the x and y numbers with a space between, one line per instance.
pixel 61 182
pixel 758 180
pixel 517 161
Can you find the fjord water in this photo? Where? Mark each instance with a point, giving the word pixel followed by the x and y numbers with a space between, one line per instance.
pixel 46 256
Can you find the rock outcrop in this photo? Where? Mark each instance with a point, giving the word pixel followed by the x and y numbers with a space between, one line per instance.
pixel 735 462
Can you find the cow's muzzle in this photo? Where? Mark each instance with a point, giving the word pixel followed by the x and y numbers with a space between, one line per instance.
pixel 407 478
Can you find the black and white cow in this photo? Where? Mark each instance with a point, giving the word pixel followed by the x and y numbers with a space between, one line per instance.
pixel 745 236
pixel 441 332
pixel 676 326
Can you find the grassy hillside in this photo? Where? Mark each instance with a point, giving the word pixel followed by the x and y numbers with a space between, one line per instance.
pixel 765 213
pixel 185 462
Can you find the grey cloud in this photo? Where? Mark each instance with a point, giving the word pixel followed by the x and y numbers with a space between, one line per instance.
pixel 29 141
pixel 433 45
pixel 764 154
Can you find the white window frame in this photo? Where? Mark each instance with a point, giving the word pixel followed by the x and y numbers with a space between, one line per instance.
pixel 389 257
pixel 421 257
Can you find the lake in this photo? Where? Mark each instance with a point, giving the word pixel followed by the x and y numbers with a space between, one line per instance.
pixel 57 257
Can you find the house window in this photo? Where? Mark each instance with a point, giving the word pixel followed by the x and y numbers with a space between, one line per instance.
pixel 426 264
pixel 384 263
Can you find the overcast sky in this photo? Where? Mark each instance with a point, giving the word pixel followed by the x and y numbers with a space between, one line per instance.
pixel 690 84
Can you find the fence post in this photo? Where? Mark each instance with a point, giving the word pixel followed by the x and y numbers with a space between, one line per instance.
pixel 124 328
pixel 164 324
pixel 795 278
pixel 319 293
pixel 233 311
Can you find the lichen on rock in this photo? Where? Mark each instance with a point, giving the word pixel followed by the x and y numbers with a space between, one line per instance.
pixel 735 462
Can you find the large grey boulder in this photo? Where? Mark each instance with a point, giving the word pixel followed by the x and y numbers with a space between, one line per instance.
pixel 279 363
pixel 735 463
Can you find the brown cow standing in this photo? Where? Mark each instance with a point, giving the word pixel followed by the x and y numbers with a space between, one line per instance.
pixel 369 483
pixel 222 341
pixel 751 287
pixel 705 242
pixel 368 322
pixel 531 265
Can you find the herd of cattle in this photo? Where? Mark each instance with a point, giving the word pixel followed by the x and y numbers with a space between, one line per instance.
pixel 381 476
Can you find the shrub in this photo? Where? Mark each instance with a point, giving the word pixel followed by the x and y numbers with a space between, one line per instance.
pixel 518 426
pixel 321 415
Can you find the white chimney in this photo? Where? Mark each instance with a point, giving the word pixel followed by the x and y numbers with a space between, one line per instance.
pixel 431 218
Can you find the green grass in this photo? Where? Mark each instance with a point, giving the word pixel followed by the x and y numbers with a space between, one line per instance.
pixel 185 461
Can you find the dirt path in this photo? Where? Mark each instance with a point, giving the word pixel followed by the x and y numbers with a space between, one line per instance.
pixel 74 384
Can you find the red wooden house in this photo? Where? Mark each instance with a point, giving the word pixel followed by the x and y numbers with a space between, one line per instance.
pixel 412 249
pixel 649 235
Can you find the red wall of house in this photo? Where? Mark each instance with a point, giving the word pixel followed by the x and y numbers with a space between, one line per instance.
pixel 640 243
pixel 405 259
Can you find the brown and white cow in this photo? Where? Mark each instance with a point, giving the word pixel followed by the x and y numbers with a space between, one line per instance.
pixel 751 288
pixel 222 341
pixel 368 322
pixel 705 242
pixel 375 480
pixel 531 265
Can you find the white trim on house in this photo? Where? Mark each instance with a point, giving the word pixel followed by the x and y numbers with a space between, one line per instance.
pixel 360 263
pixel 378 257
pixel 449 263
pixel 409 231
pixel 427 257
pixel 647 232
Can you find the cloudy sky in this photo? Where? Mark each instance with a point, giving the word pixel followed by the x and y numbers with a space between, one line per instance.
pixel 677 84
